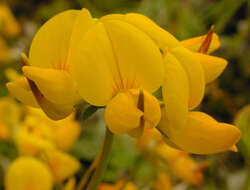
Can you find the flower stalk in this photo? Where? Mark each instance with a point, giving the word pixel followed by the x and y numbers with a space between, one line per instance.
pixel 103 161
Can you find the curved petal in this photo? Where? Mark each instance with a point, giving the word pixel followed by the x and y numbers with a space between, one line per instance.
pixel 213 66
pixel 20 90
pixel 175 95
pixel 118 56
pixel 93 65
pixel 62 165
pixel 195 43
pixel 52 44
pixel 122 114
pixel 161 37
pixel 28 173
pixel 56 85
pixel 194 72
pixel 49 47
pixel 137 57
pixel 204 135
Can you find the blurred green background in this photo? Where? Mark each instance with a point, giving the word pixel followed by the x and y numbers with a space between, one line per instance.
pixel 184 19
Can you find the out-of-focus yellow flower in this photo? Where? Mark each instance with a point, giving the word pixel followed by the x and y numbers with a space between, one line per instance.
pixel 162 182
pixel 66 132
pixel 30 144
pixel 62 165
pixel 4 50
pixel 63 133
pixel 117 186
pixel 10 115
pixel 27 173
pixel 70 185
pixel 181 164
pixel 8 24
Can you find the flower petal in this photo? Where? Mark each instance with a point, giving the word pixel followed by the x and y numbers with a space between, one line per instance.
pixel 122 114
pixel 204 135
pixel 194 72
pixel 213 66
pixel 56 85
pixel 28 173
pixel 20 90
pixel 118 56
pixel 50 45
pixel 175 95
pixel 94 67
pixel 62 165
pixel 195 43
pixel 159 35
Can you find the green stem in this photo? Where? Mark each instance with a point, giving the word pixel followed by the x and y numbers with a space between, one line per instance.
pixel 247 180
pixel 86 176
pixel 103 161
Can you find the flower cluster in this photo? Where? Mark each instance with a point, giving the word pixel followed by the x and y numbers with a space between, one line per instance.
pixel 118 61
pixel 41 143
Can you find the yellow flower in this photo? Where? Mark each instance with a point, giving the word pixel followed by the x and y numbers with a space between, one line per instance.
pixel 186 73
pixel 181 164
pixel 115 64
pixel 30 144
pixel 8 24
pixel 63 133
pixel 62 165
pixel 4 50
pixel 10 117
pixel 70 185
pixel 27 173
pixel 48 83
pixel 162 182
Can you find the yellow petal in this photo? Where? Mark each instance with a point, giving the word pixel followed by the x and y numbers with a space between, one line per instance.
pixel 94 64
pixel 181 164
pixel 11 27
pixel 4 50
pixel 213 66
pixel 66 132
pixel 204 135
pixel 20 90
pixel 28 173
pixel 53 111
pixel 132 111
pixel 56 85
pixel 195 43
pixel 162 182
pixel 175 95
pixel 50 45
pixel 62 165
pixel 118 56
pixel 10 112
pixel 187 170
pixel 195 75
pixel 122 114
pixel 150 106
pixel 70 185
pixel 160 36
pixel 29 144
